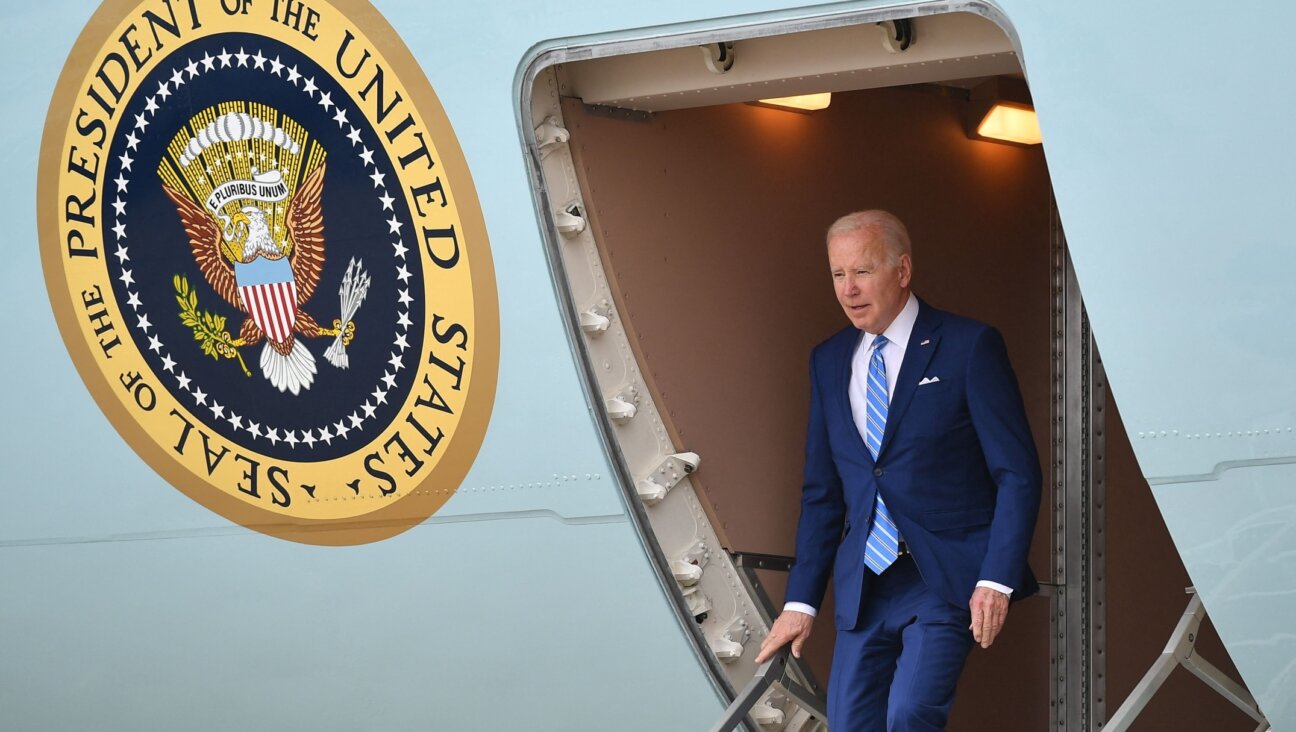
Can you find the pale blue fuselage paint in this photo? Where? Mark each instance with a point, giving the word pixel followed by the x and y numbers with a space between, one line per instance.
pixel 126 604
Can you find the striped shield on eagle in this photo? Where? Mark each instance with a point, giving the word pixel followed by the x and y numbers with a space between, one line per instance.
pixel 269 295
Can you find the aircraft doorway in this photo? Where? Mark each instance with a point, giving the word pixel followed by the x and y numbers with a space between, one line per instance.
pixel 691 243
pixel 725 209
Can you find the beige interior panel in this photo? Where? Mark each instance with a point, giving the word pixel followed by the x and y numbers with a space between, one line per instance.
pixel 833 59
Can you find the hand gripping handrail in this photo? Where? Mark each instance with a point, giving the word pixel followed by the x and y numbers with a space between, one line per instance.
pixel 771 672
pixel 774 670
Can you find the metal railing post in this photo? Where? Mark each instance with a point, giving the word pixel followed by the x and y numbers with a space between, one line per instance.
pixel 1180 651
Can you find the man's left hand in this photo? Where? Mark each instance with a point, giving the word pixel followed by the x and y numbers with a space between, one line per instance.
pixel 989 611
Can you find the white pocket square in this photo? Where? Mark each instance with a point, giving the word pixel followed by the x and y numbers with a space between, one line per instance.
pixel 929 380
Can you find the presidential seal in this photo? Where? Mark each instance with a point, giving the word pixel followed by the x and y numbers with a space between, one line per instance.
pixel 267 260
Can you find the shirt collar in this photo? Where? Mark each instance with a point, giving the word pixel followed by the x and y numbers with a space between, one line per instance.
pixel 900 329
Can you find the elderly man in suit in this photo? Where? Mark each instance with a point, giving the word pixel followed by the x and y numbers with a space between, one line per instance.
pixel 921 489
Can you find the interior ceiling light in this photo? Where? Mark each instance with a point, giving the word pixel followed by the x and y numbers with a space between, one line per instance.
pixel 801 102
pixel 1000 110
pixel 1011 122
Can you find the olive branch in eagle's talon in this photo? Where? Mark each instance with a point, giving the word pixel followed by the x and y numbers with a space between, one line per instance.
pixel 208 329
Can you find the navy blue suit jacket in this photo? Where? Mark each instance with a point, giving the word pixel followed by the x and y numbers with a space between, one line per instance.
pixel 957 468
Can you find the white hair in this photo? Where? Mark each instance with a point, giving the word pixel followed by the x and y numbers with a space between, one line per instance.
pixel 880 223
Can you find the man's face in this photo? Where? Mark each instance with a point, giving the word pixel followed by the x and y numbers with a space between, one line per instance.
pixel 870 287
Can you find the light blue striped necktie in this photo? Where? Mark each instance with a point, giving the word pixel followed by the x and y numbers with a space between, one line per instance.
pixel 883 544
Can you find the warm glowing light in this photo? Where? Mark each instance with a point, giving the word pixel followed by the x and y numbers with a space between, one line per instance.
pixel 805 102
pixel 1012 123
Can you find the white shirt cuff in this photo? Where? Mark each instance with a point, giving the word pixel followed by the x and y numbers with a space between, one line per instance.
pixel 800 607
pixel 996 587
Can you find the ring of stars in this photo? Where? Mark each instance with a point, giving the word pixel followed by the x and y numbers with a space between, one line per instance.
pixel 274 434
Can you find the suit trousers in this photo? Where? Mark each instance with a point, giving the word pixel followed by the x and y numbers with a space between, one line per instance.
pixel 897 670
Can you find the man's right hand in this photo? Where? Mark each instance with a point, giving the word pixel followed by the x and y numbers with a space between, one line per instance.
pixel 790 626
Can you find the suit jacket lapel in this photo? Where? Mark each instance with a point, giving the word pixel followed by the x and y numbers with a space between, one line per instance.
pixel 922 344
pixel 841 391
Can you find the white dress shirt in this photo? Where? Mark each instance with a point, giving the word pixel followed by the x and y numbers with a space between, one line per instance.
pixel 893 353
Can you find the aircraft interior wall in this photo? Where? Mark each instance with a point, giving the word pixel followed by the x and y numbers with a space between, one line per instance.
pixel 710 225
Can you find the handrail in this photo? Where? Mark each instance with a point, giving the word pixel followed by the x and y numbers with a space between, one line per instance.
pixel 794 678
pixel 1180 651
pixel 756 560
pixel 771 672
pixel 747 563
pixel 766 675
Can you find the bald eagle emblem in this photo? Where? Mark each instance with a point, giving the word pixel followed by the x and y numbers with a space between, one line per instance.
pixel 258 239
